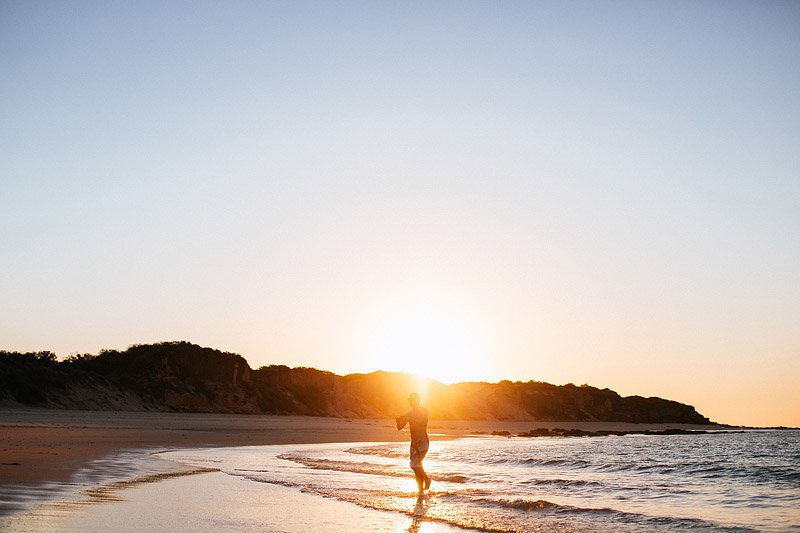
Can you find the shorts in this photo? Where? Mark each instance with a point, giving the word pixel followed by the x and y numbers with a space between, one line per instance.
pixel 419 448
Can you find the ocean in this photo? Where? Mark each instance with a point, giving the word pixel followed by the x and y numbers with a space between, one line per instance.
pixel 722 481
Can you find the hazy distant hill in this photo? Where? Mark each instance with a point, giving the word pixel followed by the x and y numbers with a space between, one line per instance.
pixel 180 376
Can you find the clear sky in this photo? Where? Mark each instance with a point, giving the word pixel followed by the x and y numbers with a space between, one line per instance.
pixel 588 192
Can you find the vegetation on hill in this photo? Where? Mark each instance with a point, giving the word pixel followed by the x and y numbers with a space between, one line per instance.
pixel 180 376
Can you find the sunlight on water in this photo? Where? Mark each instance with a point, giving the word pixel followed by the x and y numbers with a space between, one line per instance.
pixel 726 481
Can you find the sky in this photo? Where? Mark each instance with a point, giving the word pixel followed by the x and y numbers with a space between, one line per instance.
pixel 586 192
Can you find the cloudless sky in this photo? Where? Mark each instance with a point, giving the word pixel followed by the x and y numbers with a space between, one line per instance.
pixel 588 192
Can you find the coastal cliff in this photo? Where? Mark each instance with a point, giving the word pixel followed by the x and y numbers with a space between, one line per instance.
pixel 184 377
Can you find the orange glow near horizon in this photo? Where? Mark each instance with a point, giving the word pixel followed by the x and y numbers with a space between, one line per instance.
pixel 426 341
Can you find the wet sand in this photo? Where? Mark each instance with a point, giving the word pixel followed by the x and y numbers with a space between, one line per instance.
pixel 51 445
pixel 213 501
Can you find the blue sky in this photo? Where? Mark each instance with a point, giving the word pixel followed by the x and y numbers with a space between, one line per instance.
pixel 601 192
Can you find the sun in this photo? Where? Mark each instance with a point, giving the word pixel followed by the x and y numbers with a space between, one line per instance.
pixel 427 341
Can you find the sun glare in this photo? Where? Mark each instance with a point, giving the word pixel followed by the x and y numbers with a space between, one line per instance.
pixel 427 342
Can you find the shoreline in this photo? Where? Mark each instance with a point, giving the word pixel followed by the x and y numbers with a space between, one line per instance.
pixel 210 500
pixel 49 445
pixel 88 470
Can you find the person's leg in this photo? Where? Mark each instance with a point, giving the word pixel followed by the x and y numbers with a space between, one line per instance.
pixel 420 476
pixel 422 452
pixel 416 455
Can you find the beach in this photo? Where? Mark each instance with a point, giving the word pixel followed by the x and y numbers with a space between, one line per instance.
pixel 134 471
pixel 51 445
pixel 211 501
pixel 237 237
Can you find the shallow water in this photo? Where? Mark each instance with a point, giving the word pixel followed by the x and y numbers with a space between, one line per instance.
pixel 720 481
pixel 212 502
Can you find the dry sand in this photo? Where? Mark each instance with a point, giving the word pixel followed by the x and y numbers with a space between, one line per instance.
pixel 42 445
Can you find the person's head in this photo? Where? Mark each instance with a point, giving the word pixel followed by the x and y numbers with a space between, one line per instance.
pixel 414 398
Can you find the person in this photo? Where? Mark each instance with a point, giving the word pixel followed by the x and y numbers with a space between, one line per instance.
pixel 417 419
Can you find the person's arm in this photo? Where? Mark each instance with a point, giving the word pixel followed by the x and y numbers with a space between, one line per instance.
pixel 401 421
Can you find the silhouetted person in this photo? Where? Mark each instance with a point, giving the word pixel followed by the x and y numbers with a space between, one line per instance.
pixel 417 419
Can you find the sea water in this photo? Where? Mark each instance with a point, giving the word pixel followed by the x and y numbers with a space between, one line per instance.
pixel 723 481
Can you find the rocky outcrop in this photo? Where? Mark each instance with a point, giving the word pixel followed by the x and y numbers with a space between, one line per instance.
pixel 538 401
